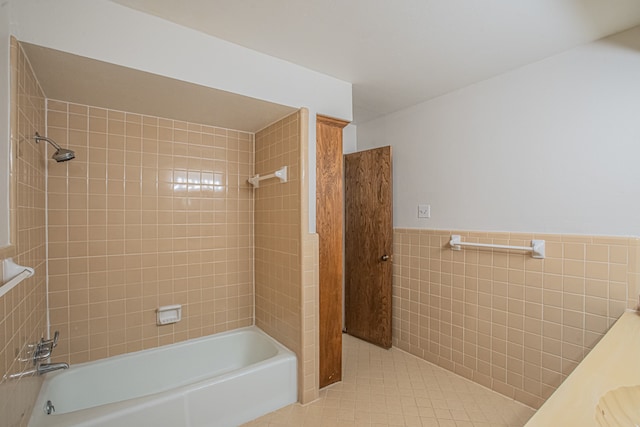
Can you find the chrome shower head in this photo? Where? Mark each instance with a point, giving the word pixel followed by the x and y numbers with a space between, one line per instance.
pixel 61 154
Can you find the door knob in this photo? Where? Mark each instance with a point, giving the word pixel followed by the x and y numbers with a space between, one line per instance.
pixel 384 257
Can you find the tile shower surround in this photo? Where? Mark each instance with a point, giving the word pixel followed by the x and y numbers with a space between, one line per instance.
pixel 515 324
pixel 23 309
pixel 151 212
pixel 154 211
pixel 286 255
pixel 277 233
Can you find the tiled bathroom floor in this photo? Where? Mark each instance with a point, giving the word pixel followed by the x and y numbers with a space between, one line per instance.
pixel 393 388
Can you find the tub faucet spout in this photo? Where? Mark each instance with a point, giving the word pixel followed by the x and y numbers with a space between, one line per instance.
pixel 44 368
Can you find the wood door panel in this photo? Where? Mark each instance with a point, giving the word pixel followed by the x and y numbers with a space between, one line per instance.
pixel 329 222
pixel 368 238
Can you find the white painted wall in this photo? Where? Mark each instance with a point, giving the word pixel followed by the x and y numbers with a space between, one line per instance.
pixel 109 32
pixel 550 147
pixel 349 139
pixel 4 123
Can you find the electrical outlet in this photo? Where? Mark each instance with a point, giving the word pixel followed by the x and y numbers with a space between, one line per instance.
pixel 424 211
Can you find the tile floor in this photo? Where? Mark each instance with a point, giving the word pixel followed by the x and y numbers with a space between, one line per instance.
pixel 393 388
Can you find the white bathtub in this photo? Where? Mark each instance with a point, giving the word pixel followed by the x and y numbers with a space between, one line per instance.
pixel 221 380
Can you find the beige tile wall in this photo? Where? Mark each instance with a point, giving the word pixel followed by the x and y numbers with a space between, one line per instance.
pixel 23 309
pixel 151 212
pixel 309 377
pixel 278 251
pixel 513 323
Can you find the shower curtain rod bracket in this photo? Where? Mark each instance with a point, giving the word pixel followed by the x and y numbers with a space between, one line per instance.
pixel 281 174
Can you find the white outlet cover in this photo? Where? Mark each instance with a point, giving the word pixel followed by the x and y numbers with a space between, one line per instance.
pixel 424 211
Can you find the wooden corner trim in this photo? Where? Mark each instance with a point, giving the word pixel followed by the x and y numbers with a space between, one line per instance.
pixel 331 121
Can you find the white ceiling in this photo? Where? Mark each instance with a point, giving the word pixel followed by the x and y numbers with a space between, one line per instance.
pixel 400 53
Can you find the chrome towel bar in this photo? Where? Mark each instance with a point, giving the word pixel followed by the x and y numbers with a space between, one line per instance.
pixel 536 248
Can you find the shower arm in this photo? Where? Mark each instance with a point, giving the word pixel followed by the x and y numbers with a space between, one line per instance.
pixel 39 138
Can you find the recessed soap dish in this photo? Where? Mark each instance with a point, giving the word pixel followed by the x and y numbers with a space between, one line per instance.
pixel 169 314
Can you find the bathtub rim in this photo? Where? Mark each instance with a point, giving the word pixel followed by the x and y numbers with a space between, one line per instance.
pixel 252 328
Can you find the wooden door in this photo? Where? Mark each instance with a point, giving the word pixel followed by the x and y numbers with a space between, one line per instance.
pixel 329 221
pixel 368 245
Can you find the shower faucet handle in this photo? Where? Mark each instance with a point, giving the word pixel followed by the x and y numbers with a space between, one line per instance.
pixel 45 347
pixel 52 342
